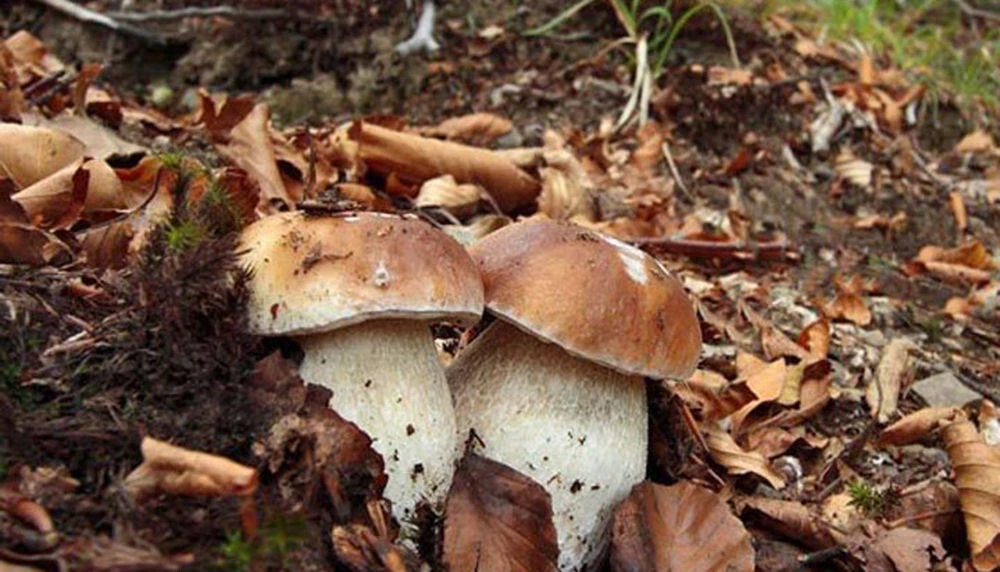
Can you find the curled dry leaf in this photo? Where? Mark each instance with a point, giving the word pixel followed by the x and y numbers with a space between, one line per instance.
pixel 476 228
pixel 220 114
pixel 497 519
pixel 977 476
pixel 29 154
pixel 856 171
pixel 174 470
pixel 911 549
pixel 815 338
pixel 99 141
pixel 737 461
pixel 445 192
pixel 767 383
pixel 971 254
pixel 565 188
pixel 415 159
pixel 882 393
pixel 249 147
pixel 788 519
pixel 22 243
pixel 978 141
pixel 361 550
pixel 680 527
pixel 713 400
pixel 62 198
pixel 479 128
pixel 848 306
pixel 916 425
pixel 107 246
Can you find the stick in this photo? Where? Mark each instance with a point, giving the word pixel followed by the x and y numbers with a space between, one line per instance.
pixel 777 250
pixel 199 12
pixel 89 16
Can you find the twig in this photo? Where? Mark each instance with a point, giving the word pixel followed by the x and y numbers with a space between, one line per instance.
pixel 674 172
pixel 973 12
pixel 920 516
pixel 200 12
pixel 777 250
pixel 89 16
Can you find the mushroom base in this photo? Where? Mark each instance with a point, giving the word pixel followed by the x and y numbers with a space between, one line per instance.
pixel 386 378
pixel 577 428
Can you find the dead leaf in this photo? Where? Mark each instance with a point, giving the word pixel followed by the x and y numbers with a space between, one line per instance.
pixel 171 469
pixel 713 401
pixel 766 383
pixel 882 393
pixel 978 141
pixel 221 114
pixel 788 519
pixel 361 550
pixel 977 476
pixel 895 223
pixel 445 192
pixel 29 154
pixel 98 140
pixel 856 171
pixel 957 204
pixel 108 246
pixel 911 549
pixel 566 188
pixel 726 452
pixel 249 148
pixel 971 254
pixel 22 243
pixel 718 75
pixel 848 306
pixel 416 159
pixel 497 519
pixel 81 188
pixel 916 425
pixel 669 528
pixel 479 128
pixel 816 338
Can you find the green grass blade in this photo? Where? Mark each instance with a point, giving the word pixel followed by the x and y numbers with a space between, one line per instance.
pixel 559 19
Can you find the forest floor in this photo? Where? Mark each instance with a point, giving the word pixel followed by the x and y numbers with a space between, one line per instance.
pixel 833 215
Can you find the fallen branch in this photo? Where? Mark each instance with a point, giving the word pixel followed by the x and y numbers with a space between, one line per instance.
pixel 748 251
pixel 201 12
pixel 89 16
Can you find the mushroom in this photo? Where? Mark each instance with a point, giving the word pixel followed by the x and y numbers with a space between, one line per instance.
pixel 357 292
pixel 554 387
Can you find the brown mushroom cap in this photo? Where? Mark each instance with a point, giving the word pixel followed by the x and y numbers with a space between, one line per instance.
pixel 313 274
pixel 596 297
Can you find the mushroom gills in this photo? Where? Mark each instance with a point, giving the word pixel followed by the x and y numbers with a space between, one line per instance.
pixel 577 428
pixel 386 378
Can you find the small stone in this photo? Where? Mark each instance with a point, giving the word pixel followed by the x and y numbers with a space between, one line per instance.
pixel 944 390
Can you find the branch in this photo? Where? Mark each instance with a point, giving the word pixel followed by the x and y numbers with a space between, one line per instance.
pixel 200 12
pixel 776 250
pixel 89 16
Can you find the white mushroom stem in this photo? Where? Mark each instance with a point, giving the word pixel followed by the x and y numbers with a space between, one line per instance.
pixel 423 36
pixel 386 378
pixel 577 428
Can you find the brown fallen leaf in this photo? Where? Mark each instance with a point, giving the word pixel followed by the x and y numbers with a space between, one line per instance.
pixel 22 243
pixel 911 549
pixel 977 476
pixel 566 188
pixel 361 550
pixel 767 383
pixel 445 192
pixel 416 159
pixel 479 128
pixel 916 425
pixel 737 461
pixel 174 470
pixel 713 400
pixel 789 519
pixel 497 519
pixel 848 306
pixel 972 254
pixel 29 154
pixel 249 147
pixel 882 393
pixel 220 114
pixel 856 171
pixel 978 141
pixel 61 199
pixel 680 527
pixel 816 338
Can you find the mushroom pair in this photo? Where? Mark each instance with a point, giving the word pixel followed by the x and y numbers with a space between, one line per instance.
pixel 357 292
pixel 554 387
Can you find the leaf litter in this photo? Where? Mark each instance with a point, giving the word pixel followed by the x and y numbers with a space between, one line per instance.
pixel 830 271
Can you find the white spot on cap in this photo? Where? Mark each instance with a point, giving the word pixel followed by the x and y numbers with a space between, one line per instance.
pixel 632 258
pixel 381 276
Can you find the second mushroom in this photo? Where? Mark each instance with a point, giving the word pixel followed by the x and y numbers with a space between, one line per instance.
pixel 554 387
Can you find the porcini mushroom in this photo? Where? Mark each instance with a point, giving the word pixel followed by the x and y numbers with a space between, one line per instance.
pixel 554 387
pixel 357 292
